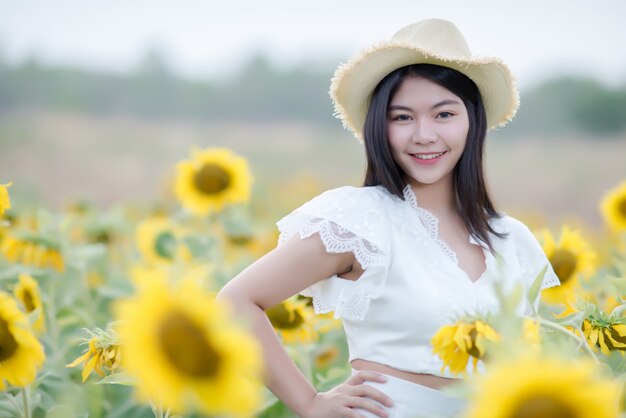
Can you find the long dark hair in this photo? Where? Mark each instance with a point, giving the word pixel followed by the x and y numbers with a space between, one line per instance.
pixel 471 192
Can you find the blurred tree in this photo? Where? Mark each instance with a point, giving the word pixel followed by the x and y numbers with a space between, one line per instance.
pixel 260 92
pixel 569 105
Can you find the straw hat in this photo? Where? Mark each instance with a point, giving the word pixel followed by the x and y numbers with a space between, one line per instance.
pixel 431 41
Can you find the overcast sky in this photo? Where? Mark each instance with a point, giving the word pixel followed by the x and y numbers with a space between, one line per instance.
pixel 537 38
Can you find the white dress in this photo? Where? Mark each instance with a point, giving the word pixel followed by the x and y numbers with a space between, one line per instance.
pixel 412 284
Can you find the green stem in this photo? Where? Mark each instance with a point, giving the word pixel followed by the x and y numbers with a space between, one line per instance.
pixel 582 343
pixel 26 403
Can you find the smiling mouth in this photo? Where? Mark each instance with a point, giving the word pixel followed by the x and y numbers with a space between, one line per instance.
pixel 423 156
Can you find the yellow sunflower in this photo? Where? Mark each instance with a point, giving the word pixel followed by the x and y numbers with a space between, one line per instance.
pixel 613 207
pixel 5 201
pixel 159 241
pixel 247 246
pixel 456 343
pixel 571 256
pixel 606 332
pixel 32 251
pixel 21 354
pixel 326 357
pixel 27 293
pixel 212 178
pixel 294 321
pixel 532 387
pixel 185 350
pixel 103 354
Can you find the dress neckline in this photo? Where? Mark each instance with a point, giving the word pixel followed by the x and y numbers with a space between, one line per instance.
pixel 431 225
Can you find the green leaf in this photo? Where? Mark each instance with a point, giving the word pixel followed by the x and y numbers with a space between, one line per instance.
pixel 535 288
pixel 165 245
pixel 61 411
pixel 123 379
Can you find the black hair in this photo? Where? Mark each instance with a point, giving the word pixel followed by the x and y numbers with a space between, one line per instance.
pixel 471 193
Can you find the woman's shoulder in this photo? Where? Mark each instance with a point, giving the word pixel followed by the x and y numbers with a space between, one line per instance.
pixel 376 192
pixel 359 198
pixel 516 233
pixel 363 211
pixel 509 225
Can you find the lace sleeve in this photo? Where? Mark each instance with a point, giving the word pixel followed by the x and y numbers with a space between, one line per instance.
pixel 348 219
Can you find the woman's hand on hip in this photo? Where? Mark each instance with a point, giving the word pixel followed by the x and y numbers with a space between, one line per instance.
pixel 353 393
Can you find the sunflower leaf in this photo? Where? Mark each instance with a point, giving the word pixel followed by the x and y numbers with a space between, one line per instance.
pixel 123 379
pixel 535 288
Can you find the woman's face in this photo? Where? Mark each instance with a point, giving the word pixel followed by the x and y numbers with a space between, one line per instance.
pixel 427 127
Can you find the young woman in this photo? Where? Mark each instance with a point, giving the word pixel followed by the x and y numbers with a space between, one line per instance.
pixel 419 243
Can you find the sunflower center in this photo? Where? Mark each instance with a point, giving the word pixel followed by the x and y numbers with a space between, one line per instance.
pixel 564 264
pixel 165 245
pixel 186 347
pixel 543 407
pixel 621 208
pixel 28 301
pixel 473 350
pixel 282 318
pixel 211 179
pixel 102 237
pixel 8 345
pixel 240 240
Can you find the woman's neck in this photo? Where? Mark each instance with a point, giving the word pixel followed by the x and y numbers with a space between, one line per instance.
pixel 437 198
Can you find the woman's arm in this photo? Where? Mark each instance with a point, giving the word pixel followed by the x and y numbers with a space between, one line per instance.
pixel 289 268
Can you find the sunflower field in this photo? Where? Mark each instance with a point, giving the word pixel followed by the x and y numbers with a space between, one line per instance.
pixel 113 313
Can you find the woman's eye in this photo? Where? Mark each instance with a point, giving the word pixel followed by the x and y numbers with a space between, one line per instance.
pixel 444 115
pixel 400 117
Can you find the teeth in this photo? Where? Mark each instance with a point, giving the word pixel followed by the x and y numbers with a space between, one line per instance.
pixel 427 156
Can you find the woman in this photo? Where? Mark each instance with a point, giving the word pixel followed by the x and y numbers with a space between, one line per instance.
pixel 395 270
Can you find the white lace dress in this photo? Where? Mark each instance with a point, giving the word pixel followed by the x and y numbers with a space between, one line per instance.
pixel 412 283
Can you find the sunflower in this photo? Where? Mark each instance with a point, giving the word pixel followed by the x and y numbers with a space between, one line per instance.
pixel 32 251
pixel 5 201
pixel 186 352
pixel 613 207
pixel 159 241
pixel 95 279
pixel 456 343
pixel 570 258
pixel 606 332
pixel 326 357
pixel 21 354
pixel 27 293
pixel 294 321
pixel 212 178
pixel 532 387
pixel 246 245
pixel 103 353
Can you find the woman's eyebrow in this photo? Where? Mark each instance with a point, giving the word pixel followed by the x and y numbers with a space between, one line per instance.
pixel 442 103
pixel 446 102
pixel 398 107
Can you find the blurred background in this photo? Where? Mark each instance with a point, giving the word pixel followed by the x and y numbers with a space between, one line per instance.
pixel 99 100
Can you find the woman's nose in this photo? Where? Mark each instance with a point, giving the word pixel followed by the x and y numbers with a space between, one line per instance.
pixel 424 133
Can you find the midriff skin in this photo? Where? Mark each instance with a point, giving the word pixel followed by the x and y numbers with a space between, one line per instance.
pixel 435 382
